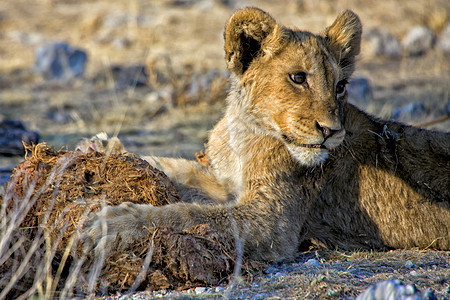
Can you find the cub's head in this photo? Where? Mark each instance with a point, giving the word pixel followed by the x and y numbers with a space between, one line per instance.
pixel 290 83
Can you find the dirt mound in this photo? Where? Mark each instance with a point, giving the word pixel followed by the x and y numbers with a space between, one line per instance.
pixel 179 260
pixel 48 199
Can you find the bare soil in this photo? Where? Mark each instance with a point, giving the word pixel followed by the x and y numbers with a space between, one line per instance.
pixel 181 45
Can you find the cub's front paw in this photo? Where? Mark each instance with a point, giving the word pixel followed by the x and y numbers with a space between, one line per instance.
pixel 101 143
pixel 125 222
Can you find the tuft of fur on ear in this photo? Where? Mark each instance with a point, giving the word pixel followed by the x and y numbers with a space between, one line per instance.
pixel 249 33
pixel 343 38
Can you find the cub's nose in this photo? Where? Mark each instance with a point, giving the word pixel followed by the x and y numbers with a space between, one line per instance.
pixel 326 131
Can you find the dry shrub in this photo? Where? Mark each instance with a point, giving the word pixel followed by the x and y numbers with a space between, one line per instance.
pixel 60 188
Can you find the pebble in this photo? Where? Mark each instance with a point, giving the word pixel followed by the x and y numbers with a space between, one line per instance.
pixel 383 43
pixel 129 76
pixel 59 117
pixel 444 40
pixel 394 289
pixel 270 270
pixel 260 296
pixel 409 264
pixel 312 263
pixel 279 275
pixel 199 290
pixel 60 61
pixel 12 135
pixel 202 82
pixel 418 41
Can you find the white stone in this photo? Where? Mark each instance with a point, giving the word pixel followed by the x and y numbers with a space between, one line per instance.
pixel 418 40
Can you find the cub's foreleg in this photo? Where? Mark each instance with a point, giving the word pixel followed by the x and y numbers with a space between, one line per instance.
pixel 266 231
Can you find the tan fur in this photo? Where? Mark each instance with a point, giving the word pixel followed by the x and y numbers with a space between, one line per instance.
pixel 293 162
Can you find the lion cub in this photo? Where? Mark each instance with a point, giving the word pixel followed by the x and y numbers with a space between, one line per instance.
pixel 292 162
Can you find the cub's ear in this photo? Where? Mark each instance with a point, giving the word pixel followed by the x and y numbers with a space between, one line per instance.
pixel 249 33
pixel 343 39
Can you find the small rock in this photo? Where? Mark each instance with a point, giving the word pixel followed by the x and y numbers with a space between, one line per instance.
pixel 12 135
pixel 418 40
pixel 312 263
pixel 383 43
pixel 199 290
pixel 359 89
pixel 202 81
pixel 409 264
pixel 410 109
pixel 439 280
pixel 394 289
pixel 444 40
pixel 219 289
pixel 269 270
pixel 129 76
pixel 60 61
pixel 59 117
pixel 5 174
pixel 279 275
pixel 413 273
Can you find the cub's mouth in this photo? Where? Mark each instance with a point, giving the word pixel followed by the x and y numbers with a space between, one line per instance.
pixel 294 142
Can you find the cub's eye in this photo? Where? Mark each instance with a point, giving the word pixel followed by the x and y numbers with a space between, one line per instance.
pixel 340 87
pixel 298 78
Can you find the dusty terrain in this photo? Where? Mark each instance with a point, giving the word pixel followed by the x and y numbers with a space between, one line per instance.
pixel 180 43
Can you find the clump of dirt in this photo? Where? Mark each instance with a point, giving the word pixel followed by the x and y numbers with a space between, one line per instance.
pixel 179 260
pixel 61 188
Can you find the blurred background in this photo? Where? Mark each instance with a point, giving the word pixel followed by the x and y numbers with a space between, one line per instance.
pixel 153 71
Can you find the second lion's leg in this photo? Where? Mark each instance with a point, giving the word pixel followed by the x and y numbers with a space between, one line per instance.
pixel 196 182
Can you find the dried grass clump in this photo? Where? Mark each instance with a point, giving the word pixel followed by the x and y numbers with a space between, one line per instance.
pixel 71 184
pixel 46 204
